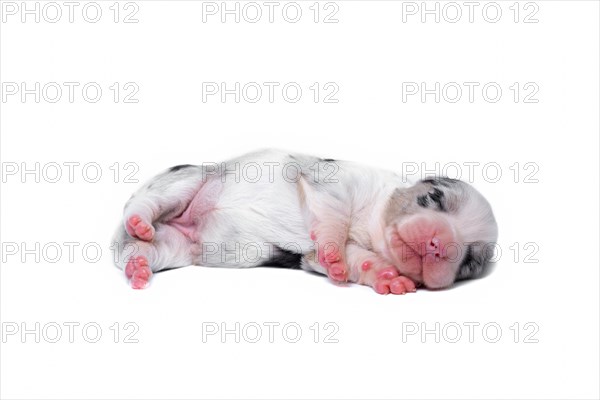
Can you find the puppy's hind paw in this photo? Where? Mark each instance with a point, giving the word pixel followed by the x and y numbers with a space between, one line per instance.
pixel 139 272
pixel 139 229
pixel 338 272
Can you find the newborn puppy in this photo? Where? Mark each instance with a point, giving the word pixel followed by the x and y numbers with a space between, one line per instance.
pixel 270 208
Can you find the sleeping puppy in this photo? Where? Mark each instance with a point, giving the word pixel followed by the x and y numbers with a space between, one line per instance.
pixel 270 208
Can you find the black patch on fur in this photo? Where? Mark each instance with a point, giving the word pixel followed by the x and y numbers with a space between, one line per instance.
pixel 465 269
pixel 441 181
pixel 283 258
pixel 423 201
pixel 437 196
pixel 328 160
pixel 178 167
pixel 475 261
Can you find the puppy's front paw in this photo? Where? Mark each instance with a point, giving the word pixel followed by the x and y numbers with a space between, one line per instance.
pixel 330 257
pixel 137 228
pixel 389 281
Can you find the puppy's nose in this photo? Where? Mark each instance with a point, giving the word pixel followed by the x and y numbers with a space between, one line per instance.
pixel 433 247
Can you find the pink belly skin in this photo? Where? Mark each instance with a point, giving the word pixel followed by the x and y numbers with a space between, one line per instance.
pixel 192 220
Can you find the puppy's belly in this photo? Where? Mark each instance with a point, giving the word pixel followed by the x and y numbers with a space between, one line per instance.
pixel 194 217
pixel 234 225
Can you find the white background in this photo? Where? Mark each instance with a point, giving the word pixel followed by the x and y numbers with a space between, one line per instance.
pixel 368 54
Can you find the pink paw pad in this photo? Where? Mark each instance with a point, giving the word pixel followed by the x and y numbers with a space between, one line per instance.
pixel 402 285
pixel 332 257
pixel 382 286
pixel 366 266
pixel 327 257
pixel 138 271
pixel 137 228
pixel 338 272
pixel 387 273
pixel 388 281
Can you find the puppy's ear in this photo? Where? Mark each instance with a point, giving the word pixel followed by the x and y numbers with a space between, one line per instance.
pixel 443 194
pixel 441 181
pixel 427 193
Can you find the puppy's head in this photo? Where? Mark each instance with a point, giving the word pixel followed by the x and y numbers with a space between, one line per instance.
pixel 439 231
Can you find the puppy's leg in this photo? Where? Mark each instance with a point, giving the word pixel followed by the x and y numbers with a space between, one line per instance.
pixel 330 236
pixel 170 248
pixel 166 196
pixel 329 221
pixel 368 268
